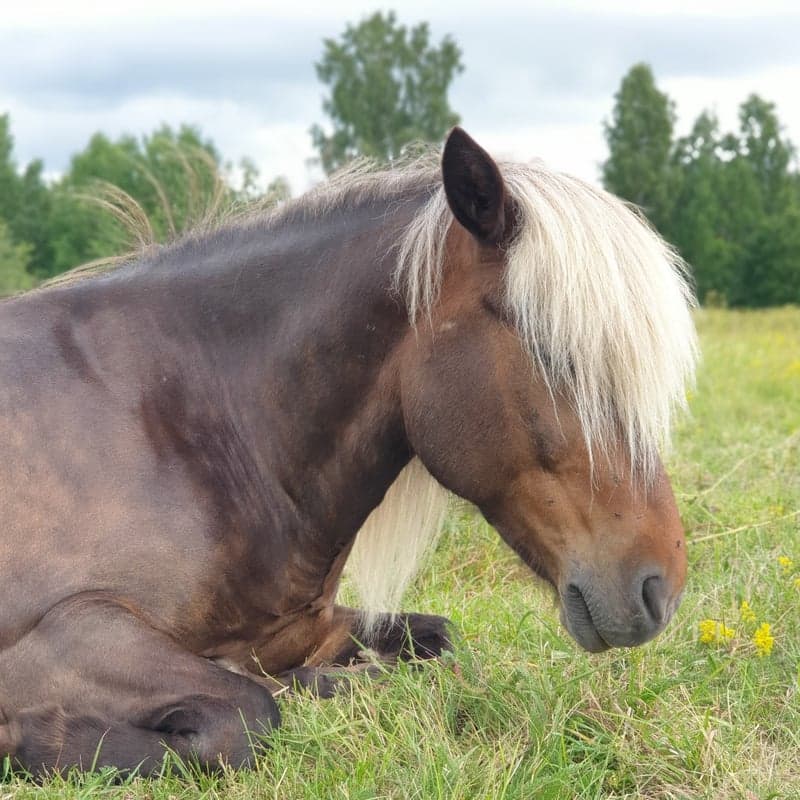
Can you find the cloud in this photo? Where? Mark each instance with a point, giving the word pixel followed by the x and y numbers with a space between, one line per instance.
pixel 555 67
pixel 251 60
pixel 268 61
pixel 539 80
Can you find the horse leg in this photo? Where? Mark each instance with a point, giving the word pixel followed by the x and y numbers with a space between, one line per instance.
pixel 96 686
pixel 392 637
pixel 345 649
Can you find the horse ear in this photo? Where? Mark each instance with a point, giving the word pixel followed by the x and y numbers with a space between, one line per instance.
pixel 474 187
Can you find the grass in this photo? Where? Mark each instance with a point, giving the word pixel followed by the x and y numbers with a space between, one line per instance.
pixel 520 712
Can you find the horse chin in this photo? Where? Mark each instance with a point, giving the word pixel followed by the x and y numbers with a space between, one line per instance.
pixel 577 619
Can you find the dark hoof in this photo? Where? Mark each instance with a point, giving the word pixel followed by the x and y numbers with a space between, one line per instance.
pixel 420 636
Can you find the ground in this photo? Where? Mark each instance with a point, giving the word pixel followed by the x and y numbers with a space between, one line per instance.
pixel 711 709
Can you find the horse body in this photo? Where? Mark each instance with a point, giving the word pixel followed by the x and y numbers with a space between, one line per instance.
pixel 191 443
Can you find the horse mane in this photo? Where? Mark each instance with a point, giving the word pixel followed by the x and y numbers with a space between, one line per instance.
pixel 361 181
pixel 603 306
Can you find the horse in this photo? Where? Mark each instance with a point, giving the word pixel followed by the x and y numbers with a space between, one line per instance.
pixel 195 443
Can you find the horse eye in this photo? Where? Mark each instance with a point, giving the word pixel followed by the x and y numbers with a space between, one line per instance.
pixel 495 306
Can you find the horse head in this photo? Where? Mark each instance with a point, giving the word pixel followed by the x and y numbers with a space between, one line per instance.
pixel 552 340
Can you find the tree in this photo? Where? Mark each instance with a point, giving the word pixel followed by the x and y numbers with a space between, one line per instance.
pixel 735 218
pixel 765 151
pixel 277 191
pixel 698 221
pixel 729 202
pixel 639 138
pixel 769 266
pixel 14 275
pixel 8 169
pixel 155 187
pixel 388 87
pixel 24 201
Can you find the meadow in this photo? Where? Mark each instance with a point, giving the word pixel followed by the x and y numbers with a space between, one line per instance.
pixel 711 709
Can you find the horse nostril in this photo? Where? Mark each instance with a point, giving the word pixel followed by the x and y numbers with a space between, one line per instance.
pixel 654 595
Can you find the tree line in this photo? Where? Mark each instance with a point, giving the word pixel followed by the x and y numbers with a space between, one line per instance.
pixel 116 194
pixel 728 201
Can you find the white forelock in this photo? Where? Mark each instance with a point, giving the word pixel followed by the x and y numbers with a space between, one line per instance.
pixel 600 301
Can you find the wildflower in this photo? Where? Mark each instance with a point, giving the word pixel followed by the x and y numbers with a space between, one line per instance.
pixel 786 564
pixel 763 639
pixel 713 632
pixel 797 583
pixel 746 614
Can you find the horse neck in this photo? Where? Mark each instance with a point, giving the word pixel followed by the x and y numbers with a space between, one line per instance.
pixel 299 336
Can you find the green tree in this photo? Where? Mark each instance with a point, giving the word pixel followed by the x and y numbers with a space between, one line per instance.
pixel 759 209
pixel 155 187
pixel 8 169
pixel 14 258
pixel 388 87
pixel 24 201
pixel 729 202
pixel 701 219
pixel 640 144
pixel 769 266
pixel 767 153
pixel 277 191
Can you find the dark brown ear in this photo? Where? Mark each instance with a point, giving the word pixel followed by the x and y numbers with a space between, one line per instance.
pixel 474 187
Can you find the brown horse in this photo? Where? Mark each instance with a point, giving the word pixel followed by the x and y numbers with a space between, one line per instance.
pixel 191 443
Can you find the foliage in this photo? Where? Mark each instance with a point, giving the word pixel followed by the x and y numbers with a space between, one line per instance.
pixel 388 87
pixel 172 176
pixel 639 140
pixel 118 193
pixel 24 201
pixel 729 202
pixel 14 259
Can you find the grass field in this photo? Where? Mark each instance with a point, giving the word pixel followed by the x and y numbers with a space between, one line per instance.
pixel 525 714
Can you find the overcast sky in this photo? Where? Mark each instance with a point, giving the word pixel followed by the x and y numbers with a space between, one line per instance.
pixel 539 77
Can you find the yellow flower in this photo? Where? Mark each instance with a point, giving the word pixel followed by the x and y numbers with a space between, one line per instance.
pixel 786 564
pixel 797 583
pixel 713 632
pixel 763 639
pixel 746 614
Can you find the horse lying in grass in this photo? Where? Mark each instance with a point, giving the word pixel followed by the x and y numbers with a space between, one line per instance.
pixel 192 442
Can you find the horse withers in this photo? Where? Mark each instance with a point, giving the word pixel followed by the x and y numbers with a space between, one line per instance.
pixel 192 442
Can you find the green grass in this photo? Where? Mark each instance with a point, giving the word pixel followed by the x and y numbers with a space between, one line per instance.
pixel 520 712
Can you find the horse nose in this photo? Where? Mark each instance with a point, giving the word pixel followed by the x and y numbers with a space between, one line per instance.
pixel 650 608
pixel 599 615
pixel 655 598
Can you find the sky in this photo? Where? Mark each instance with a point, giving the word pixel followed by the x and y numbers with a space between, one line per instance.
pixel 538 82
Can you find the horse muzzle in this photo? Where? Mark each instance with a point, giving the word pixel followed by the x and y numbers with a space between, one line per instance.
pixel 600 613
